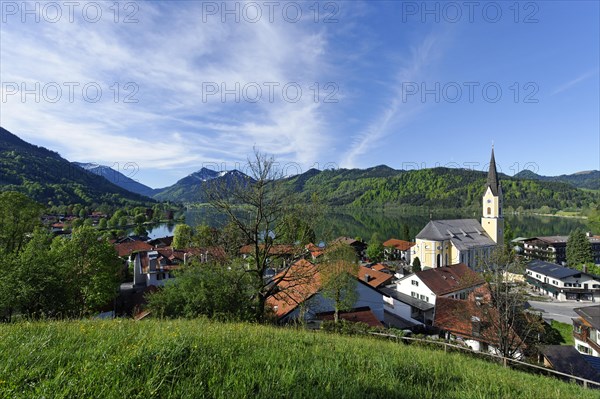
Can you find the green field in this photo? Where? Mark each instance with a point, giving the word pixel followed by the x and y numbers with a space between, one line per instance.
pixel 197 359
pixel 566 332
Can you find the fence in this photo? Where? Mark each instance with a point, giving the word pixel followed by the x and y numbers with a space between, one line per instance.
pixel 505 360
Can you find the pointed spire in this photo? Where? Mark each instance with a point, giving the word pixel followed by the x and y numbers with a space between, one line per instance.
pixel 492 179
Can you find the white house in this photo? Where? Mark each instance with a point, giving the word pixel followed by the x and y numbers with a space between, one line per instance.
pixel 586 330
pixel 562 282
pixel 416 293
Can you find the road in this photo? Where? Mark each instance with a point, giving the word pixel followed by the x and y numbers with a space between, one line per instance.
pixel 559 311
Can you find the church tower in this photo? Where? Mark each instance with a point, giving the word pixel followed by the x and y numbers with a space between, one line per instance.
pixel 493 218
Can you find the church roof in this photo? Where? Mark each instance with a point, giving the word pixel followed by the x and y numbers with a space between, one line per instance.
pixel 492 179
pixel 463 233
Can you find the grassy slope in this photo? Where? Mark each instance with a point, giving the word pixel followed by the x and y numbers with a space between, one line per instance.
pixel 566 332
pixel 194 359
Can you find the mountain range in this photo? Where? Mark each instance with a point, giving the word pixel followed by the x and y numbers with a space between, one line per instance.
pixel 40 173
pixel 46 177
pixel 587 179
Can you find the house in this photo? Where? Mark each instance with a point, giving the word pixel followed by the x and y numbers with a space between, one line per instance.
pixel 586 330
pixel 314 250
pixel 359 246
pixel 285 254
pixel 127 248
pixel 473 322
pixel 566 359
pixel 554 248
pixel 374 278
pixel 416 293
pixel 561 282
pixel 445 242
pixel 398 250
pixel 152 268
pixel 300 297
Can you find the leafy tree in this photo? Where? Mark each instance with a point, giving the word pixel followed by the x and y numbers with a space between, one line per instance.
pixel 19 215
pixel 140 230
pixel 205 237
pixel 416 265
pixel 37 281
pixel 93 269
pixel 139 218
pixel 102 223
pixel 182 236
pixel 338 278
pixel 579 249
pixel 206 289
pixel 375 249
pixel 296 231
pixel 405 232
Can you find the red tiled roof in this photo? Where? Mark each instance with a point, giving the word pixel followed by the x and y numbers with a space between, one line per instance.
pixel 362 315
pixel 127 248
pixel 400 245
pixel 300 282
pixel 443 280
pixel 314 250
pixel 376 278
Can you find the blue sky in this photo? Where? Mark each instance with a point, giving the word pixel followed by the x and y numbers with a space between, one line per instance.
pixel 406 84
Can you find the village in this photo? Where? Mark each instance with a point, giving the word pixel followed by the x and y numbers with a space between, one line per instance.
pixel 437 286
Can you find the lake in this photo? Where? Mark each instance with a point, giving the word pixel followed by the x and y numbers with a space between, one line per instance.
pixel 388 223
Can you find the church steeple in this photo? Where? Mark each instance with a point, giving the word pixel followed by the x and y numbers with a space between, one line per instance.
pixel 492 179
pixel 492 219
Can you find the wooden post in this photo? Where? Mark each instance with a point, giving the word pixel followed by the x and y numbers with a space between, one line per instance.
pixel 504 361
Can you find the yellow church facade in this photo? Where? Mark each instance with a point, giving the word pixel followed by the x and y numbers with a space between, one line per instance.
pixel 447 242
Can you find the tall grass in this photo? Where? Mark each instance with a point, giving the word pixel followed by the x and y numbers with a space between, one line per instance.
pixel 198 358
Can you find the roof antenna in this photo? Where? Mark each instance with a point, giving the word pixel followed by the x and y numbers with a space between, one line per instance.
pixel 492 144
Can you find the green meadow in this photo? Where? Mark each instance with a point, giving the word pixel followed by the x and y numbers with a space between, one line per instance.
pixel 204 359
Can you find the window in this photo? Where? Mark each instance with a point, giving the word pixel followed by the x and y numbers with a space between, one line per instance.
pixel 489 211
pixel 414 282
pixel 424 298
pixel 414 294
pixel 596 286
pixel 568 285
pixel 576 328
pixel 554 282
pixel 584 349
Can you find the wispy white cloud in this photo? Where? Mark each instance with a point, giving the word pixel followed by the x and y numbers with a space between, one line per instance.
pixel 397 112
pixel 169 55
pixel 568 85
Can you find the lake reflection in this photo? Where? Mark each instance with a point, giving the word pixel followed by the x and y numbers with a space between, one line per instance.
pixel 389 223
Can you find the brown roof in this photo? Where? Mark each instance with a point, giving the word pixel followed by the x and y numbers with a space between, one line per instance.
pixel 358 315
pixel 298 283
pixel 375 277
pixel 129 247
pixel 447 279
pixel 460 317
pixel 398 244
pixel 379 267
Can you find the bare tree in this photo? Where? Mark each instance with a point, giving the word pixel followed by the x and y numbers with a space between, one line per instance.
pixel 260 209
pixel 515 331
pixel 338 276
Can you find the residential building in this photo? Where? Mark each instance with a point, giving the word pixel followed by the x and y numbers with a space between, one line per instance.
pixel 299 296
pixel 359 246
pixel 416 293
pixel 554 248
pixel 586 330
pixel 398 250
pixel 561 282
pixel 152 268
pixel 474 322
pixel 445 242
pixel 566 359
pixel 358 315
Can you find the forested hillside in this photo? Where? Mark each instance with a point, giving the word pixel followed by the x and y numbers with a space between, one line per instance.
pixel 438 187
pixel 49 179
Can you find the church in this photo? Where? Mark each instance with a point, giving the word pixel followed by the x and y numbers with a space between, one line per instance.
pixel 447 242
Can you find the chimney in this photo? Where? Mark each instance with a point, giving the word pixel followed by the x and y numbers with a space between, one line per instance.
pixel 585 267
pixel 366 278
